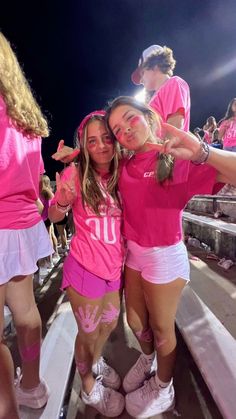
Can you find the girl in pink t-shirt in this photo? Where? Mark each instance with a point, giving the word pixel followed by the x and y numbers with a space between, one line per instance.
pixel 171 97
pixel 92 272
pixel 24 238
pixel 46 195
pixel 154 192
pixel 227 127
pixel 209 128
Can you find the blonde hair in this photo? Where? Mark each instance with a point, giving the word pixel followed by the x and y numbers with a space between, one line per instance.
pixel 21 106
pixel 45 187
pixel 91 191
pixel 165 162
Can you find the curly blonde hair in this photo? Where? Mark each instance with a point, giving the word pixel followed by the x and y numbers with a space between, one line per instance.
pixel 21 105
pixel 163 59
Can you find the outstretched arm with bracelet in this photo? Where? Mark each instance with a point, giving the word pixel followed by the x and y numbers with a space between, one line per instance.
pixel 64 197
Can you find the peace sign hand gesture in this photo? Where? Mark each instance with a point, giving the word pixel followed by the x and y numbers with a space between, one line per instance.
pixel 178 143
pixel 66 189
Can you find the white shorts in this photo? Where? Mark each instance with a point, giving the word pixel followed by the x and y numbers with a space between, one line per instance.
pixel 21 249
pixel 159 265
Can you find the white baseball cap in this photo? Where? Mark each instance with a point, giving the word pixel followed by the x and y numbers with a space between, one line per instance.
pixel 153 49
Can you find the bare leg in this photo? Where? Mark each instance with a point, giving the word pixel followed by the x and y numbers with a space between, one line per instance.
pixel 8 406
pixel 62 233
pixel 88 315
pixel 111 311
pixel 53 238
pixel 21 301
pixel 137 313
pixel 162 301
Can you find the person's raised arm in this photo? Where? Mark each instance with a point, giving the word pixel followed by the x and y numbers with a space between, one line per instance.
pixel 64 153
pixel 64 196
pixel 184 145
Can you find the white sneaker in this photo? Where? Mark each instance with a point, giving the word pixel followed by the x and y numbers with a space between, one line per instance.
pixel 35 398
pixel 150 400
pixel 110 377
pixel 107 401
pixel 140 371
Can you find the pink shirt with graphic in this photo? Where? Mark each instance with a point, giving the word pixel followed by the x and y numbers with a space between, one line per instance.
pixel 152 212
pixel 97 243
pixel 20 167
pixel 229 138
pixel 171 97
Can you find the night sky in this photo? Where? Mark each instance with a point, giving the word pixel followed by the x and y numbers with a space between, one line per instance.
pixel 77 55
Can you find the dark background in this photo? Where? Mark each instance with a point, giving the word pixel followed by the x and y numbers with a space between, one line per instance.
pixel 79 54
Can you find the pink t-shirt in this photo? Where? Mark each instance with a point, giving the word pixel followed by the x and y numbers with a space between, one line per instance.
pixel 172 96
pixel 152 212
pixel 208 136
pixel 20 167
pixel 46 205
pixel 229 138
pixel 97 243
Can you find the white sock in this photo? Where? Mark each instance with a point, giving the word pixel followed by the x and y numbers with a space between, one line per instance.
pixel 149 357
pixel 161 384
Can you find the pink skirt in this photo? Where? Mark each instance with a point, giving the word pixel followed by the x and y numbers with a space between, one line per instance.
pixel 21 249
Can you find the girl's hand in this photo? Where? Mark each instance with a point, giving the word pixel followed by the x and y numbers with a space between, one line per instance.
pixel 179 144
pixel 66 189
pixel 64 153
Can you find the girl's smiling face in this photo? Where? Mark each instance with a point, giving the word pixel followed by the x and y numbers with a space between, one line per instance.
pixel 99 144
pixel 131 128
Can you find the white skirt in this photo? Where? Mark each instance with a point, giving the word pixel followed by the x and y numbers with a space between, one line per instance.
pixel 21 249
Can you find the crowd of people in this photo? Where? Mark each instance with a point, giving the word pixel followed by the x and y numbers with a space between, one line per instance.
pixel 222 134
pixel 135 168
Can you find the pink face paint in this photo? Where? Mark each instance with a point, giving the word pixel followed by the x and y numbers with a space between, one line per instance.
pixel 110 315
pixel 108 140
pixel 82 367
pixel 134 120
pixel 30 353
pixel 86 318
pixel 145 335
pixel 160 342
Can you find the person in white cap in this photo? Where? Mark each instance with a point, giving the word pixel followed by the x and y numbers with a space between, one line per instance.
pixel 171 98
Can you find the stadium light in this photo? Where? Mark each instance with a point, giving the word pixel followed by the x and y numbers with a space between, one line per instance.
pixel 140 96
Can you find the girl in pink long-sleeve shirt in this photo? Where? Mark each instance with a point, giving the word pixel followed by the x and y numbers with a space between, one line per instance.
pixel 24 238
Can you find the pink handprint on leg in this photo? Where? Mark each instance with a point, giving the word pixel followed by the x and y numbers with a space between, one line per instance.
pixel 82 367
pixel 87 318
pixel 108 316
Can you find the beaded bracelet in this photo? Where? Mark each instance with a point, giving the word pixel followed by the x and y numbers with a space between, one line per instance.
pixel 62 208
pixel 203 154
